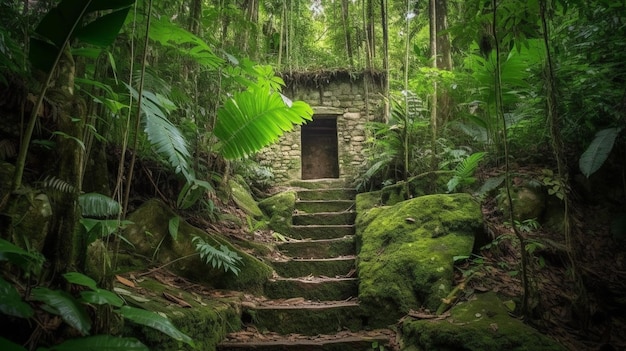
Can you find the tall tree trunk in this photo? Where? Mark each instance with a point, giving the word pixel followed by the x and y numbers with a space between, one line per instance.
pixel 366 30
pixel 444 58
pixel 384 22
pixel 345 16
pixel 434 118
pixel 371 35
pixel 64 246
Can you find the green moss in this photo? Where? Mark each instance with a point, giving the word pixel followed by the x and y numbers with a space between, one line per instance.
pixel 207 321
pixel 151 238
pixel 244 200
pixel 31 219
pixel 406 252
pixel 481 324
pixel 279 208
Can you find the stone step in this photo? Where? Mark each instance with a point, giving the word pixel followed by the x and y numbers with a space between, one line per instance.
pixel 324 248
pixel 327 194
pixel 307 318
pixel 316 289
pixel 324 218
pixel 342 341
pixel 315 206
pixel 317 232
pixel 327 183
pixel 318 267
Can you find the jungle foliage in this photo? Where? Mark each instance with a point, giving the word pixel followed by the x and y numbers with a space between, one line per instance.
pixel 181 94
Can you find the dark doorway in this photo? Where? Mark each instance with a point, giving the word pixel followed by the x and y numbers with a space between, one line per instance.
pixel 320 157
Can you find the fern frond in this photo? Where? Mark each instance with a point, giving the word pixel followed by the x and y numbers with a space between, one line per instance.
pixel 222 258
pixel 55 184
pixel 467 167
pixel 7 149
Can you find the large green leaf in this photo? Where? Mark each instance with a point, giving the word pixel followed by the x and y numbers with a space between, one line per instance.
pixel 27 261
pixel 62 23
pixel 598 151
pixel 156 321
pixel 254 119
pixel 80 279
pixel 64 305
pixel 100 343
pixel 7 345
pixel 11 302
pixel 98 205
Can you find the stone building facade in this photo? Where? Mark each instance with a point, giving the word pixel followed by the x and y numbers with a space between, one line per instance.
pixel 333 144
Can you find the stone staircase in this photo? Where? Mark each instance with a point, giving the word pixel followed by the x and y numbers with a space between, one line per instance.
pixel 312 302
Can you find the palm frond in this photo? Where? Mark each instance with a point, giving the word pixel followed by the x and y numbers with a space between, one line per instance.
pixel 256 118
pixel 164 136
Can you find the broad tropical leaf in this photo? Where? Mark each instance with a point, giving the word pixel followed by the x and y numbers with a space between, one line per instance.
pixel 27 261
pixel 80 279
pixel 256 118
pixel 598 151
pixel 100 343
pixel 98 205
pixel 65 306
pixel 156 321
pixel 62 23
pixel 7 345
pixel 101 297
pixel 11 302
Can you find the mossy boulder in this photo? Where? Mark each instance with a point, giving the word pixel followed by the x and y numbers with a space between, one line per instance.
pixel 279 208
pixel 481 324
pixel 30 219
pixel 529 201
pixel 406 252
pixel 243 199
pixel 150 237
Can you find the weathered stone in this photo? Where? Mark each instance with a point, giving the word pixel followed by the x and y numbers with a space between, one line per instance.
pixel 344 100
pixel 481 324
pixel 529 202
pixel 279 208
pixel 244 200
pixel 150 237
pixel 404 264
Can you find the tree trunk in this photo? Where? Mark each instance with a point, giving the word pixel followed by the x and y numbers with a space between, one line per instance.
pixel 65 247
pixel 345 16
pixel 444 58
pixel 383 12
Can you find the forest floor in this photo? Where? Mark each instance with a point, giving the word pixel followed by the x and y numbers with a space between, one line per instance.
pixel 588 318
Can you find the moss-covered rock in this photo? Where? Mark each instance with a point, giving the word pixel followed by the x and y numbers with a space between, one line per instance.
pixel 406 252
pixel 529 201
pixel 150 237
pixel 205 319
pixel 244 199
pixel 481 324
pixel 279 208
pixel 31 218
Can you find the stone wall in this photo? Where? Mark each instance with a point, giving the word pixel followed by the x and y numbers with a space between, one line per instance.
pixel 352 99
